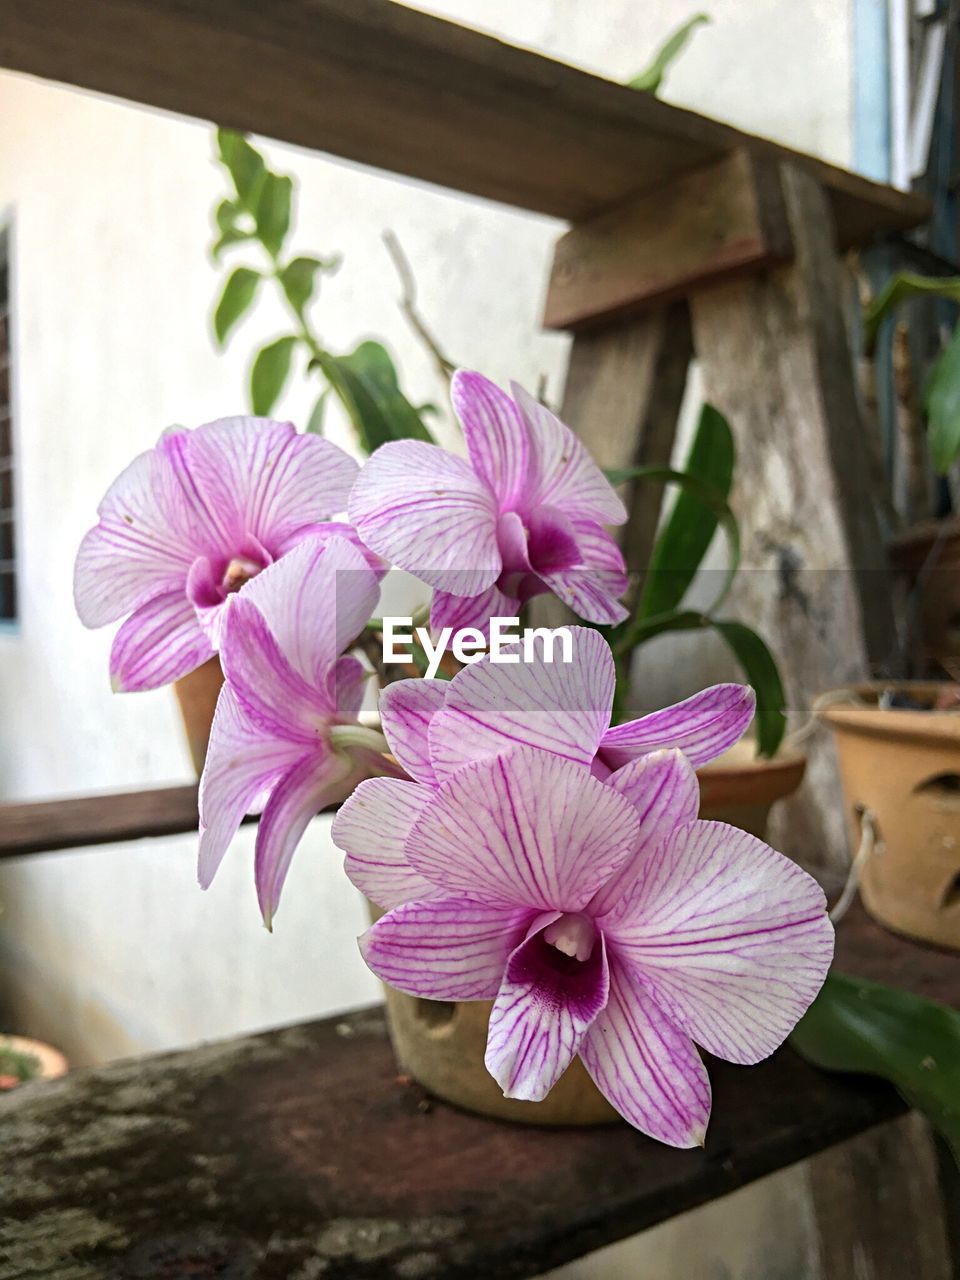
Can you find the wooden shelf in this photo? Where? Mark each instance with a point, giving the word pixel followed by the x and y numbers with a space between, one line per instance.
pixel 302 1148
pixel 78 822
pixel 388 86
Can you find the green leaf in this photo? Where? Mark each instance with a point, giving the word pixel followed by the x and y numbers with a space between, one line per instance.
pixel 272 211
pixel 269 374
pixel 244 164
pixel 941 399
pixel 760 668
pixel 856 1025
pixel 315 421
pixel 650 79
pixel 758 663
pixel 298 280
pixel 688 530
pixel 901 287
pixel 366 382
pixel 237 298
pixel 228 238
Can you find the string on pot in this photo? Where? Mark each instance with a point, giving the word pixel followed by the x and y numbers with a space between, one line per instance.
pixel 869 845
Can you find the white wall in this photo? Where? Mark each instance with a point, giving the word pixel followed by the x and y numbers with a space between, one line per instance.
pixel 116 951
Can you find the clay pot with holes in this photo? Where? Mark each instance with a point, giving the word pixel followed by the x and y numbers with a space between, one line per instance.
pixel 927 560
pixel 197 695
pixel 441 1045
pixel 903 764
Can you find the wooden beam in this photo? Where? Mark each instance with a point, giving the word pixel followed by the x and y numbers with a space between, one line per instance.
pixel 723 219
pixel 81 821
pixel 303 1153
pixel 388 86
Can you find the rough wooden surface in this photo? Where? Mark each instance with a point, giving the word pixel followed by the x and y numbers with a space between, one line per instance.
pixel 45 825
pixel 723 219
pixel 813 582
pixel 389 86
pixel 299 1155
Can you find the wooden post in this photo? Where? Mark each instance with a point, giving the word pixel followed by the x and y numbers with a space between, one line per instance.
pixel 756 261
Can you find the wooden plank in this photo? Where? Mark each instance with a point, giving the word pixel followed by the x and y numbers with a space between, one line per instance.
pixel 723 219
pixel 388 86
pixel 81 821
pixel 813 582
pixel 300 1152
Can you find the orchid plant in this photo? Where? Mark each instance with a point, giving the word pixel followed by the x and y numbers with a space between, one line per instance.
pixel 526 848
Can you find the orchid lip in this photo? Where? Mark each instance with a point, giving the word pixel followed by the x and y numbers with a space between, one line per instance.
pixel 573 934
pixel 237 572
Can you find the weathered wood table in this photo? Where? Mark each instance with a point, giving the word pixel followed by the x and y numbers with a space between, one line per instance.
pixel 300 1155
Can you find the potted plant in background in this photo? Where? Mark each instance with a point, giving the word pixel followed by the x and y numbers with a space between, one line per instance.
pixel 22 1061
pixel 898 742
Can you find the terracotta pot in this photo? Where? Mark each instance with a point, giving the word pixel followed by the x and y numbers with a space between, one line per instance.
pixel 904 766
pixel 52 1062
pixel 197 695
pixel 741 787
pixel 927 558
pixel 441 1044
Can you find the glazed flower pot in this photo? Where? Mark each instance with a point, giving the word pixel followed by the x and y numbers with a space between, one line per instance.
pixel 927 558
pixel 904 766
pixel 441 1044
pixel 197 695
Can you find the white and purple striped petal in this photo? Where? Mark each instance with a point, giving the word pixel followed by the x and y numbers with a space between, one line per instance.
pixel 545 1006
pixel 447 948
pixel 157 644
pixel 524 829
pixel 243 762
pixel 459 612
pixel 426 511
pixel 664 791
pixel 560 471
pixel 371 827
pixel 702 727
pixel 407 708
pixel 645 1067
pixel 495 433
pixel 562 707
pixel 731 938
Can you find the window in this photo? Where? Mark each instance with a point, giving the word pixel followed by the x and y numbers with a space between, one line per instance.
pixel 8 582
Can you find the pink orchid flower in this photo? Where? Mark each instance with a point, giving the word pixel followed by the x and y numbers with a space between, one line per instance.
pixel 602 919
pixel 187 524
pixel 285 736
pixel 434 727
pixel 522 516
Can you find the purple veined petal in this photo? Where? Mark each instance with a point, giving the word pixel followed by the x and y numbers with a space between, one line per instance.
pixel 143 543
pixel 243 762
pixel 427 512
pixel 315 600
pixel 545 1006
pixel 562 707
pixel 316 780
pixel 524 829
pixel 160 642
pixel 560 471
pixel 646 1067
pixel 730 937
pixel 406 710
pixel 552 541
pixel 324 532
pixel 598 550
pixel 590 593
pixel 663 789
pixel 495 432
pixel 703 727
pixel 371 828
pixel 265 478
pixel 346 684
pixel 447 948
pixel 274 695
pixel 459 612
